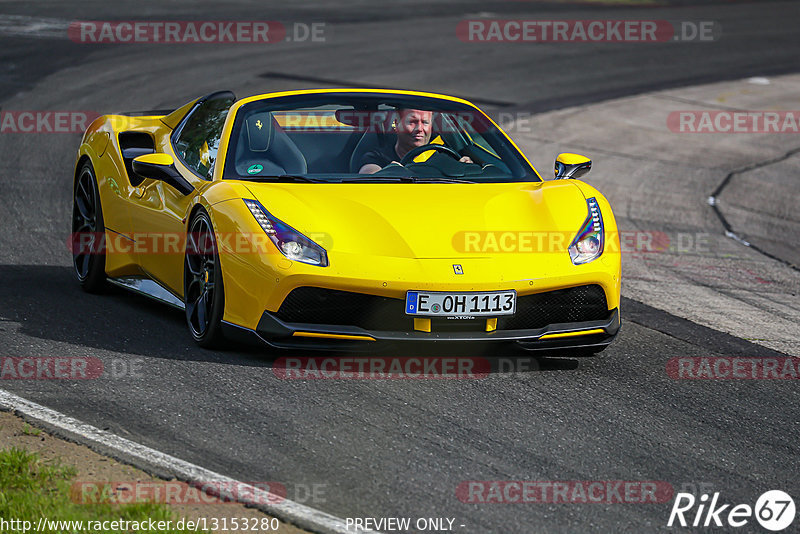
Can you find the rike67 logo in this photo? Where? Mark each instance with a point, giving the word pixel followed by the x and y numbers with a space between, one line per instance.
pixel 774 510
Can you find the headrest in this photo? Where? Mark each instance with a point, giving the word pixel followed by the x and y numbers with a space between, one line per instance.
pixel 259 131
pixel 366 120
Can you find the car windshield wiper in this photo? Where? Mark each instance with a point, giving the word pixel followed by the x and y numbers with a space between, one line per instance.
pixel 379 179
pixel 443 181
pixel 284 178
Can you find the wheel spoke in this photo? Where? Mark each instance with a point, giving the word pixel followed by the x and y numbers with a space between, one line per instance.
pixel 194 260
pixel 82 188
pixel 193 263
pixel 88 196
pixel 83 210
pixel 195 281
pixel 202 302
pixel 191 308
pixel 191 244
pixel 82 261
pixel 86 245
pixel 90 199
pixel 207 244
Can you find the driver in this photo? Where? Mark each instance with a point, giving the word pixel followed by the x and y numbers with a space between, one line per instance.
pixel 413 128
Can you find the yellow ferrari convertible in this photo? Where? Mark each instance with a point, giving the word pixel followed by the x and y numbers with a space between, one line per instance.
pixel 345 219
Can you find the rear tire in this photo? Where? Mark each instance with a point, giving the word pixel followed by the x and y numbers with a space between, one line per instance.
pixel 88 239
pixel 203 291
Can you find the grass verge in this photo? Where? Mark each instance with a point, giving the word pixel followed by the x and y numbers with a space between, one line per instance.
pixel 33 488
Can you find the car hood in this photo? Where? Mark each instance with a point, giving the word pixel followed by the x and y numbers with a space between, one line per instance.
pixel 426 220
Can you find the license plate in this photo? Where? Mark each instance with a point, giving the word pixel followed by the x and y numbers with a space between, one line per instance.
pixel 451 304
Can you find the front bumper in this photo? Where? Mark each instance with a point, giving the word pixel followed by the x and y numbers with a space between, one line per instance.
pixel 595 334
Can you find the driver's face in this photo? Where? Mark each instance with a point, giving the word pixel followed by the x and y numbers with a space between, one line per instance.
pixel 414 128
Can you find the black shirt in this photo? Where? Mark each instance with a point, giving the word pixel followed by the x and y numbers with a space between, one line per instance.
pixel 381 156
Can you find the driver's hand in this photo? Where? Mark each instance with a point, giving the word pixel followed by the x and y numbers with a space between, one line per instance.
pixel 466 159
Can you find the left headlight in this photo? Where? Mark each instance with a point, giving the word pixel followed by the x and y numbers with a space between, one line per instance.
pixel 588 243
pixel 291 243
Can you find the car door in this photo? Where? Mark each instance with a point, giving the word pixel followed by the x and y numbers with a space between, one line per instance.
pixel 158 214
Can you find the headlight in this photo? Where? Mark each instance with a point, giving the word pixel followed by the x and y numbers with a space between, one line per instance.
pixel 291 243
pixel 588 244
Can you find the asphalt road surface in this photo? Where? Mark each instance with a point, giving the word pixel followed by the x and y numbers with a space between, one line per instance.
pixel 394 448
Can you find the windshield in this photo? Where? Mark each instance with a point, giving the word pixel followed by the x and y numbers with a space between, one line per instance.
pixel 352 137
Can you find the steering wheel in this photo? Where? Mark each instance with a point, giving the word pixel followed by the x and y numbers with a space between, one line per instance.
pixel 413 153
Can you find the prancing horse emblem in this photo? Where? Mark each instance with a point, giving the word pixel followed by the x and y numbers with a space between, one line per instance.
pixel 458 269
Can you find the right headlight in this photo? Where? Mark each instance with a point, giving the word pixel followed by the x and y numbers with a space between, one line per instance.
pixel 291 243
pixel 588 243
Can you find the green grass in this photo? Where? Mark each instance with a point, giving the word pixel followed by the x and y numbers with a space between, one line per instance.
pixel 28 430
pixel 31 488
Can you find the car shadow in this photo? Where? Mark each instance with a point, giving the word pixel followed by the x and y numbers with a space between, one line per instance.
pixel 46 302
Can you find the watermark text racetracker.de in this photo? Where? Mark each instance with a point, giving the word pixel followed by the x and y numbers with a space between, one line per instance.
pixel 176 492
pixel 564 492
pixel 734 122
pixel 194 32
pixel 554 241
pixel 174 243
pixel 68 368
pixel 399 367
pixel 45 121
pixel 733 368
pixel 586 31
pixel 380 368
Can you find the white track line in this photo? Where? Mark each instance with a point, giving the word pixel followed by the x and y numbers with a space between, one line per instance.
pixel 141 456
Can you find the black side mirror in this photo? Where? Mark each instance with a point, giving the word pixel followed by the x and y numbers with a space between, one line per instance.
pixel 161 167
pixel 571 166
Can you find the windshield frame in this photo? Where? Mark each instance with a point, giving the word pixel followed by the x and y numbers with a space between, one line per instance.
pixel 371 101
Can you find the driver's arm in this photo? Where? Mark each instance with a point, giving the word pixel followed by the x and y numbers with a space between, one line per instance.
pixel 372 168
pixel 369 168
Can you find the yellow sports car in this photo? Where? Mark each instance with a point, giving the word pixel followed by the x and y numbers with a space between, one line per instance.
pixel 343 219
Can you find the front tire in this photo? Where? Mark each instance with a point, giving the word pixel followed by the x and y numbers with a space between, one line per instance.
pixel 88 238
pixel 203 291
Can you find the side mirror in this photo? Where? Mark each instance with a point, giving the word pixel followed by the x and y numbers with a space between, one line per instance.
pixel 572 166
pixel 161 167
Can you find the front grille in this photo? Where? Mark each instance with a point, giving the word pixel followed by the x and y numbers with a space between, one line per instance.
pixel 574 304
pixel 315 305
pixel 328 306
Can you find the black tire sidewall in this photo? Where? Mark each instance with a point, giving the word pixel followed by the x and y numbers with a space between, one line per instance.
pixel 95 280
pixel 212 337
